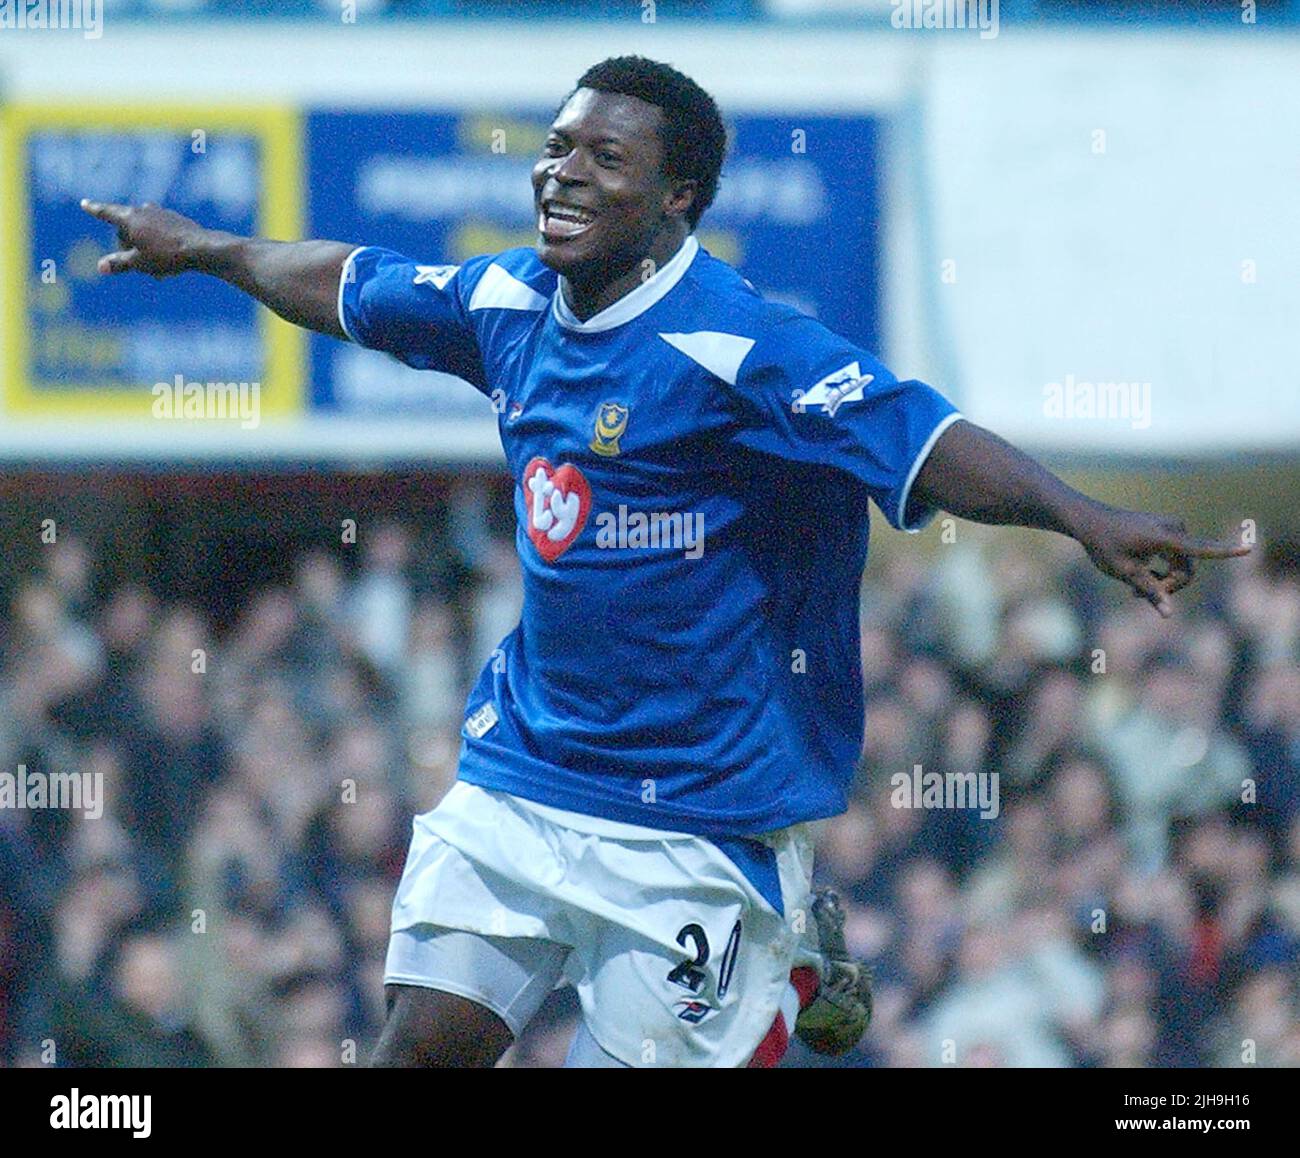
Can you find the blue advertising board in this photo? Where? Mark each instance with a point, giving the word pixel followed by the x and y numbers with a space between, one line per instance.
pixel 796 213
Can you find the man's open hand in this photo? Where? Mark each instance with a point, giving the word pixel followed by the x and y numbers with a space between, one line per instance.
pixel 1153 554
pixel 150 239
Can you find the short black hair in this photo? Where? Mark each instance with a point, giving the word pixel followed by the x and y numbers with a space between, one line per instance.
pixel 694 137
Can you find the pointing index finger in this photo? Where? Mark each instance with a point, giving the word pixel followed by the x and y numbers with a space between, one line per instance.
pixel 1199 548
pixel 105 211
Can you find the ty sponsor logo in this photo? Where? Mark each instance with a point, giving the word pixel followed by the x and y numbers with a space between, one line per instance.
pixel 557 501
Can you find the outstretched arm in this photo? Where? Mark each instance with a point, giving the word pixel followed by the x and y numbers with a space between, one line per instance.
pixel 299 280
pixel 974 474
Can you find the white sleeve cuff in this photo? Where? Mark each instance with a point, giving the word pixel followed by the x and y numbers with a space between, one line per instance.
pixel 345 274
pixel 917 463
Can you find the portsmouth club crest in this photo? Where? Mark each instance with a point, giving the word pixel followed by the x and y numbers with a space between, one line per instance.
pixel 611 421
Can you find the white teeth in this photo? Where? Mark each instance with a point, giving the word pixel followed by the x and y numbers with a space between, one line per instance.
pixel 563 212
pixel 559 221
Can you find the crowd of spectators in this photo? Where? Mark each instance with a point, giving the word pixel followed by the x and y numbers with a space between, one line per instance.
pixel 1135 901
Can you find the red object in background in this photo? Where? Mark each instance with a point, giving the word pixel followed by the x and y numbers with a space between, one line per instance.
pixel 1207 952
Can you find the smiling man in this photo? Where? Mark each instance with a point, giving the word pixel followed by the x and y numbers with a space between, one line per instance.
pixel 642 758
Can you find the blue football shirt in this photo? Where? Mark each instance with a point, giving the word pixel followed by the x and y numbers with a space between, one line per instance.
pixel 692 467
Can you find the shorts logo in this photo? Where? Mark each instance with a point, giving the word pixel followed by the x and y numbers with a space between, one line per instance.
pixel 693 1011
pixel 556 505
pixel 611 421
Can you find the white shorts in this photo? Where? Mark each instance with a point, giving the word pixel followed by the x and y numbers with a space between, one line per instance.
pixel 679 957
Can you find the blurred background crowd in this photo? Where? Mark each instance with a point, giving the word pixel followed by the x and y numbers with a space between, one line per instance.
pixel 1135 902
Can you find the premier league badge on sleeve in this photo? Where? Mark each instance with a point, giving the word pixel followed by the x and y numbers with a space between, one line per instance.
pixel 845 385
pixel 435 275
pixel 611 421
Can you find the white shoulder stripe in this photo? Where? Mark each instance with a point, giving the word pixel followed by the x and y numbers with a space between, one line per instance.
pixel 720 354
pixel 498 290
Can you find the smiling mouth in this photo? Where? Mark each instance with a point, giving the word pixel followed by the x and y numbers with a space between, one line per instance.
pixel 562 221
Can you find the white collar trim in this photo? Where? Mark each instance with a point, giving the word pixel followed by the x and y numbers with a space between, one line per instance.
pixel 632 304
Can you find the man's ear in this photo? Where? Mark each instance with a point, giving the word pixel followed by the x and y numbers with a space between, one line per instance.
pixel 681 196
